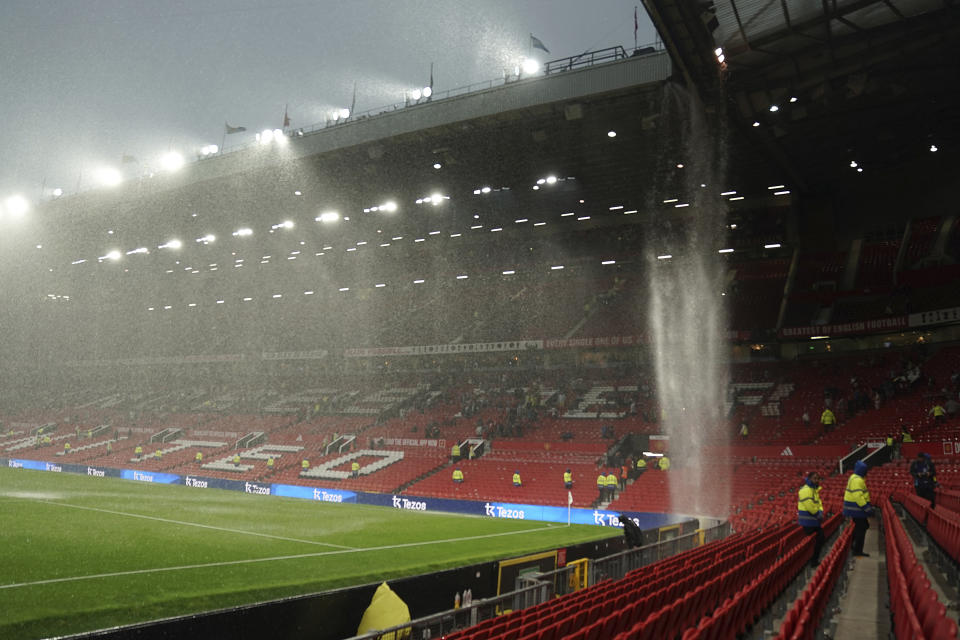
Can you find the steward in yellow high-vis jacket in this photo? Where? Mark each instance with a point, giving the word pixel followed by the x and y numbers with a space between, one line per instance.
pixel 810 512
pixel 856 505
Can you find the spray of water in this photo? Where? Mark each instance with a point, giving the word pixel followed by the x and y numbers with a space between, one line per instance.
pixel 686 316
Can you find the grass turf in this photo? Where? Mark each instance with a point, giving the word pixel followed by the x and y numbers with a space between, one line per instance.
pixel 80 553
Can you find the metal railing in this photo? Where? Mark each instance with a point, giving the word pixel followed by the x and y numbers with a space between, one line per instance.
pixel 546 586
pixel 583 60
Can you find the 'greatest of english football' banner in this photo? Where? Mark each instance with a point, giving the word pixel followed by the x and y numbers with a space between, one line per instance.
pixel 445 349
pixel 846 328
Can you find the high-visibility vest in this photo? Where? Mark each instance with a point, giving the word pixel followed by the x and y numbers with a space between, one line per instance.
pixel 199 456
pixel 457 475
pixel 611 480
pixel 270 463
pixel 355 466
pixel 516 479
pixel 305 465
pixel 856 498
pixel 567 477
pixel 808 506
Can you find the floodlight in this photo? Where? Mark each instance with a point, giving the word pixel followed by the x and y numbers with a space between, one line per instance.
pixel 529 66
pixel 551 179
pixel 416 94
pixel 57 192
pixel 171 161
pixel 427 92
pixel 112 255
pixel 246 231
pixel 207 239
pixel 611 134
pixel 265 136
pixel 138 250
pixel 436 199
pixel 933 148
pixel 485 190
pixel 437 165
pixel 109 176
pixel 328 216
pixel 344 113
pixel 390 206
pixel 16 205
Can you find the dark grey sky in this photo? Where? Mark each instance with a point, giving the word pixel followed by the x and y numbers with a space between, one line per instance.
pixel 87 81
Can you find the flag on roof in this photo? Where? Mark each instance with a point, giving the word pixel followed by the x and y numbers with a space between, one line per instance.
pixel 228 129
pixel 537 43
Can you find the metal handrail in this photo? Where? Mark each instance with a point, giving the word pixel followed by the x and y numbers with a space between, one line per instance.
pixel 585 59
pixel 549 584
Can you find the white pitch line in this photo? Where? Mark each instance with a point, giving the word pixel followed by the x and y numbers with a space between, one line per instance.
pixel 195 524
pixel 299 556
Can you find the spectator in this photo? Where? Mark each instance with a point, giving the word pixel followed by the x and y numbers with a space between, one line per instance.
pixel 924 477
pixel 810 510
pixel 856 505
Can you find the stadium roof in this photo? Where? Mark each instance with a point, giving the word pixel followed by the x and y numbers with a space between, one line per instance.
pixel 873 80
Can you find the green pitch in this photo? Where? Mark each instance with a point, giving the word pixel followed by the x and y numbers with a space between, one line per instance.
pixel 79 553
